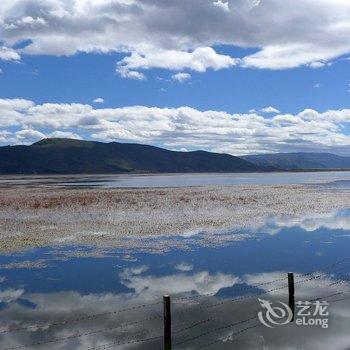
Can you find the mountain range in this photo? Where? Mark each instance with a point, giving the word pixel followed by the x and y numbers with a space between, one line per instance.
pixel 70 156
pixel 301 161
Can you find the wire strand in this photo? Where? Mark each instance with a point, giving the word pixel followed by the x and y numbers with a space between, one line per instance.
pixel 232 335
pixel 86 317
pixel 214 330
pixel 79 335
pixel 127 342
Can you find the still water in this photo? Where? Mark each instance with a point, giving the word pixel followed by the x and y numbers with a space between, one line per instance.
pixel 87 298
pixel 179 180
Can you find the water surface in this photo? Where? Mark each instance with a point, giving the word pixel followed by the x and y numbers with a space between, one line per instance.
pixel 89 298
pixel 177 180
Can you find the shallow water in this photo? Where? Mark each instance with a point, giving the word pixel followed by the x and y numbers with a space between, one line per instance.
pixel 88 298
pixel 338 184
pixel 177 180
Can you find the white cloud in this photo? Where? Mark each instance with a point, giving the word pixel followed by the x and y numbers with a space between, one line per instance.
pixel 16 104
pixel 224 5
pixel 317 64
pixel 184 267
pixel 312 33
pixel 269 110
pixel 64 134
pixel 201 282
pixel 8 54
pixel 137 270
pixel 29 135
pixel 285 56
pixel 124 72
pixel 181 77
pixel 199 60
pixel 98 100
pixel 318 85
pixel 10 295
pixel 177 128
pixel 63 305
pixel 308 223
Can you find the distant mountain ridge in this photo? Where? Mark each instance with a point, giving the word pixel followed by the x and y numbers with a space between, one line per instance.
pixel 69 156
pixel 301 161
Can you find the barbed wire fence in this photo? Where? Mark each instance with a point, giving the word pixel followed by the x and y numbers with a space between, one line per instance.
pixel 162 332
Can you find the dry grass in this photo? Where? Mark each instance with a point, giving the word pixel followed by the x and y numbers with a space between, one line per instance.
pixel 105 217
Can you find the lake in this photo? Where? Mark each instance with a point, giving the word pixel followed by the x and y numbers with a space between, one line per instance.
pixel 78 297
pixel 179 180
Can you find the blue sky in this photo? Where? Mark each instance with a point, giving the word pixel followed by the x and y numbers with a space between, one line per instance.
pixel 196 84
pixel 83 77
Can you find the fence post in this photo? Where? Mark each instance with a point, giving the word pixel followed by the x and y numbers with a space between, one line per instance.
pixel 167 322
pixel 291 292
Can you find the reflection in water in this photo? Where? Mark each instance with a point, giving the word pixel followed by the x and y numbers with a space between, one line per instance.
pixel 70 320
pixel 85 302
pixel 337 220
pixel 337 184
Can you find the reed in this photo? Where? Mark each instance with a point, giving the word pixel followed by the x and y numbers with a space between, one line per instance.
pixel 105 217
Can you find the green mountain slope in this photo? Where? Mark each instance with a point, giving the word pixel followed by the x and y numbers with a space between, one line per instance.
pixel 67 156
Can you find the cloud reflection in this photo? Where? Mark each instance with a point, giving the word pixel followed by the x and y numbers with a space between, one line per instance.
pixel 155 286
pixel 336 220
pixel 60 306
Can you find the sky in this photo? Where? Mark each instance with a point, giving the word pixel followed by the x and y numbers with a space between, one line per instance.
pixel 233 76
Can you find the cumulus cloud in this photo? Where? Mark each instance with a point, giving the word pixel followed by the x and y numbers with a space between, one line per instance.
pixel 198 60
pixel 154 33
pixel 181 77
pixel 124 72
pixel 29 135
pixel 64 134
pixel 98 100
pixel 23 121
pixel 8 54
pixel 290 56
pixel 269 110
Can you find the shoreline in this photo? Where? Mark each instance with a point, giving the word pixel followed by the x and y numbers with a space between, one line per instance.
pixel 109 217
pixel 277 171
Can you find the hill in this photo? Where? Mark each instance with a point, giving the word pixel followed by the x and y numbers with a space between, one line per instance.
pixel 68 156
pixel 301 161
